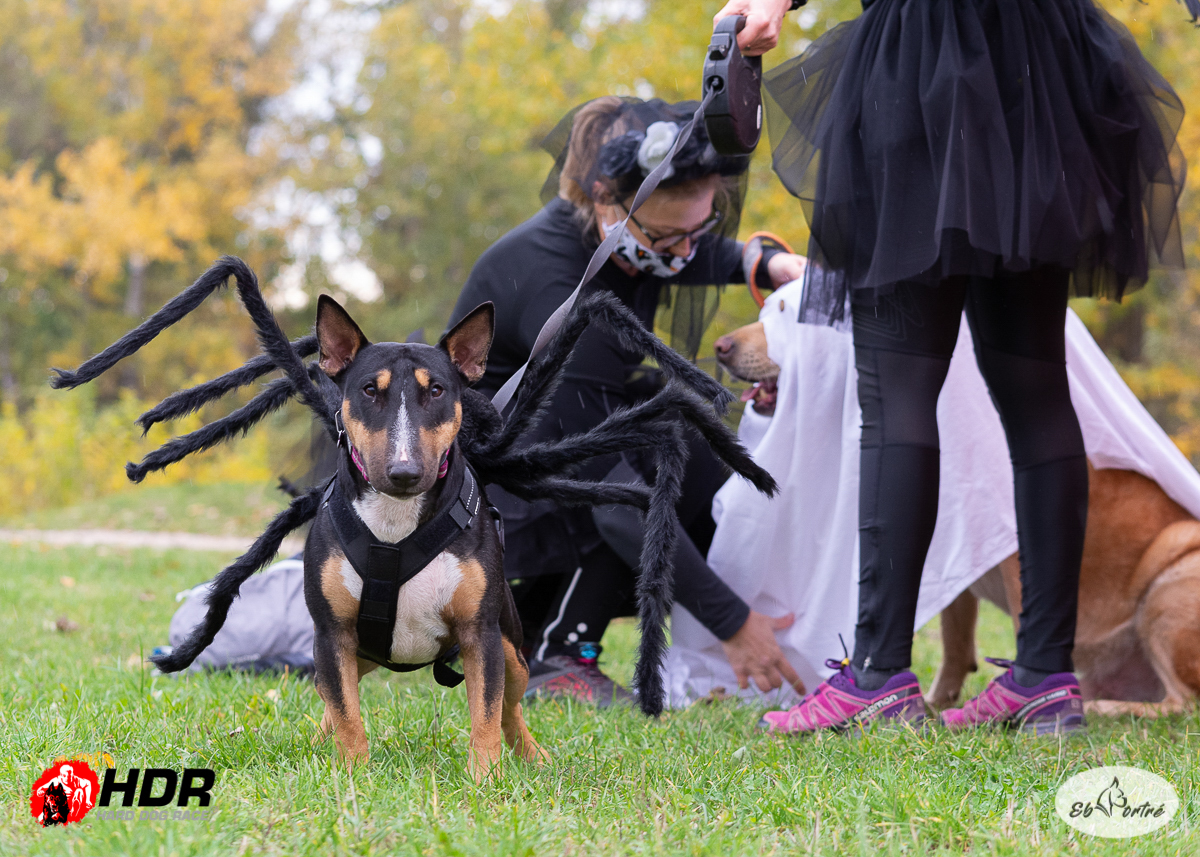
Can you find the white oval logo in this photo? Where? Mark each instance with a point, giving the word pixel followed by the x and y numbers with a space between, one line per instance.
pixel 1116 802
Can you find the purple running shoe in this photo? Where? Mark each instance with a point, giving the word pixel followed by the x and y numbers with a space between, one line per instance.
pixel 1052 707
pixel 839 705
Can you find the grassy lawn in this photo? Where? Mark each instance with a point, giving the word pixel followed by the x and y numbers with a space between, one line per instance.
pixel 700 781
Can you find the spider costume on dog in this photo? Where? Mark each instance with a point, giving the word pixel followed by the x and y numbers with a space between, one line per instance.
pixel 488 441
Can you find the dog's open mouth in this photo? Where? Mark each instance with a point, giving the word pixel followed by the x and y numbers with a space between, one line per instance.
pixel 762 395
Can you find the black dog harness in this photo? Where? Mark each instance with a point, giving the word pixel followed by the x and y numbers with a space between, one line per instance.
pixel 386 566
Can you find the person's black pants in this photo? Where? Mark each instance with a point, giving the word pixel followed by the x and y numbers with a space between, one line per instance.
pixel 903 346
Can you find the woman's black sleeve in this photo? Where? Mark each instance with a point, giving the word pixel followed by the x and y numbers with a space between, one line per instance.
pixel 718 261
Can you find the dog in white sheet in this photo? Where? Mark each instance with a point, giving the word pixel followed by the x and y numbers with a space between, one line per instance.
pixel 1138 635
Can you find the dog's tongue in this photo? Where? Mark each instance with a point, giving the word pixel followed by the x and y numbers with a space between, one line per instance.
pixel 750 392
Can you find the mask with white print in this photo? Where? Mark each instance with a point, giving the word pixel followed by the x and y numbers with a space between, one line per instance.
pixel 630 250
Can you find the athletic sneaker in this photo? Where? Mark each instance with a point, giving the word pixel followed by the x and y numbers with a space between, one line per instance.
pixel 575 675
pixel 838 704
pixel 1052 707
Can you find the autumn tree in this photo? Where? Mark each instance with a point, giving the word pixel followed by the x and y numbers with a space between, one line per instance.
pixel 125 159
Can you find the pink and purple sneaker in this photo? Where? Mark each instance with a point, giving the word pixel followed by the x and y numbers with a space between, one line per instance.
pixel 1052 707
pixel 839 705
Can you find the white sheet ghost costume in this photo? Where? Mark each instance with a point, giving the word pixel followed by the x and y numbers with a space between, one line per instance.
pixel 798 552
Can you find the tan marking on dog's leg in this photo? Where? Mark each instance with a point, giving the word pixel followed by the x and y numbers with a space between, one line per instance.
pixel 422 376
pixel 333 587
pixel 958 650
pixel 516 733
pixel 480 655
pixel 324 728
pixel 481 652
pixel 345 718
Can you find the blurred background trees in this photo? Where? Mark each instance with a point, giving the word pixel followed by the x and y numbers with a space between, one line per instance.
pixel 374 150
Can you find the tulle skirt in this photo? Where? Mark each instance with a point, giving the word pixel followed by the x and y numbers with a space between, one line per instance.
pixel 934 138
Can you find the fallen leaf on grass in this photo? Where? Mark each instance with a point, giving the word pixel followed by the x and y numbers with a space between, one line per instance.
pixel 717 694
pixel 145 596
pixel 68 582
pixel 65 625
pixel 237 731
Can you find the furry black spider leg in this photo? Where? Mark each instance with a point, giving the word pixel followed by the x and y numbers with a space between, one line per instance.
pixel 189 401
pixel 580 492
pixel 603 308
pixel 175 309
pixel 275 345
pixel 676 401
pixel 275 396
pixel 545 372
pixel 624 430
pixel 632 428
pixel 540 382
pixel 225 585
pixel 656 583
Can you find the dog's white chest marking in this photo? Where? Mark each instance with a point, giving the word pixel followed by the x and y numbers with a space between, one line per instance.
pixel 419 624
pixel 389 518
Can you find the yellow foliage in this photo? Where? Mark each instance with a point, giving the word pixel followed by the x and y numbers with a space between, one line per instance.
pixel 65 450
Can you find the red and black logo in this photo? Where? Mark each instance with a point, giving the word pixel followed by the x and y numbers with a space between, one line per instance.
pixel 68 789
pixel 64 793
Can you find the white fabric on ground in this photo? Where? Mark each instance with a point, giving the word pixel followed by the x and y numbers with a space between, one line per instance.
pixel 799 552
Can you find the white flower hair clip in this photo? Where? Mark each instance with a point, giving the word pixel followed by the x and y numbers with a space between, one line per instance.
pixel 660 136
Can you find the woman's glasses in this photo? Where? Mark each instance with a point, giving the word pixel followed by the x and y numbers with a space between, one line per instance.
pixel 661 244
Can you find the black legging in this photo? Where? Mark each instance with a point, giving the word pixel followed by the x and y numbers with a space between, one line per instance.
pixel 902 350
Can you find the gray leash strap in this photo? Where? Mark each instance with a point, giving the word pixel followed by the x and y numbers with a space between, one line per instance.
pixel 607 246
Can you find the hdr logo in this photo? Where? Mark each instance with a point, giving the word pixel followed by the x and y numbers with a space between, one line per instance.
pixel 192 783
pixel 69 789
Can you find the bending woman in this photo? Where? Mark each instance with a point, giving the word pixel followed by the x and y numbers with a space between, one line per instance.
pixel 986 156
pixel 574 570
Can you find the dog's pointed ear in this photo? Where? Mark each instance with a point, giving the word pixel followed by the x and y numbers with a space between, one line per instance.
pixel 338 337
pixel 468 343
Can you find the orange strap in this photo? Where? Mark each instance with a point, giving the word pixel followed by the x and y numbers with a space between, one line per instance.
pixel 752 278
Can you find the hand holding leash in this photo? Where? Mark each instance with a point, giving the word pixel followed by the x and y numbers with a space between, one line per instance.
pixel 764 20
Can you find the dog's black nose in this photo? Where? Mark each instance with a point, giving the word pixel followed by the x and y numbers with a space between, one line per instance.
pixel 404 474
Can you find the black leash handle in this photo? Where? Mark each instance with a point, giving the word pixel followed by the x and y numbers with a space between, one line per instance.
pixel 734 120
pixel 505 394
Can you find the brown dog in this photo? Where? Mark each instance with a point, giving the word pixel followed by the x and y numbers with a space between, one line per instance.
pixel 1137 641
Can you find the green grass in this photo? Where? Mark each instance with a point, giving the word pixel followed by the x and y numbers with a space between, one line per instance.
pixel 700 781
pixel 224 509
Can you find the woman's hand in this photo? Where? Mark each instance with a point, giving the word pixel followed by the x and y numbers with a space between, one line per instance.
pixel 785 267
pixel 753 652
pixel 764 20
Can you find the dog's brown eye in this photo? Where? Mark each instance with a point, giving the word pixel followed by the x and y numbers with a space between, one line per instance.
pixel 435 391
pixel 369 389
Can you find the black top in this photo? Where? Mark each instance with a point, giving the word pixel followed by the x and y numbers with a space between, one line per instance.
pixel 527 274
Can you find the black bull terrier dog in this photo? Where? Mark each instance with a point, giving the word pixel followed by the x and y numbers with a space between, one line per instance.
pixel 401 412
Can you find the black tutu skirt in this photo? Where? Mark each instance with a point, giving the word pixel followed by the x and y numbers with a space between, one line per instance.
pixel 935 138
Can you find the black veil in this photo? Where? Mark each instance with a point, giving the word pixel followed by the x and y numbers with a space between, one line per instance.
pixel 579 175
